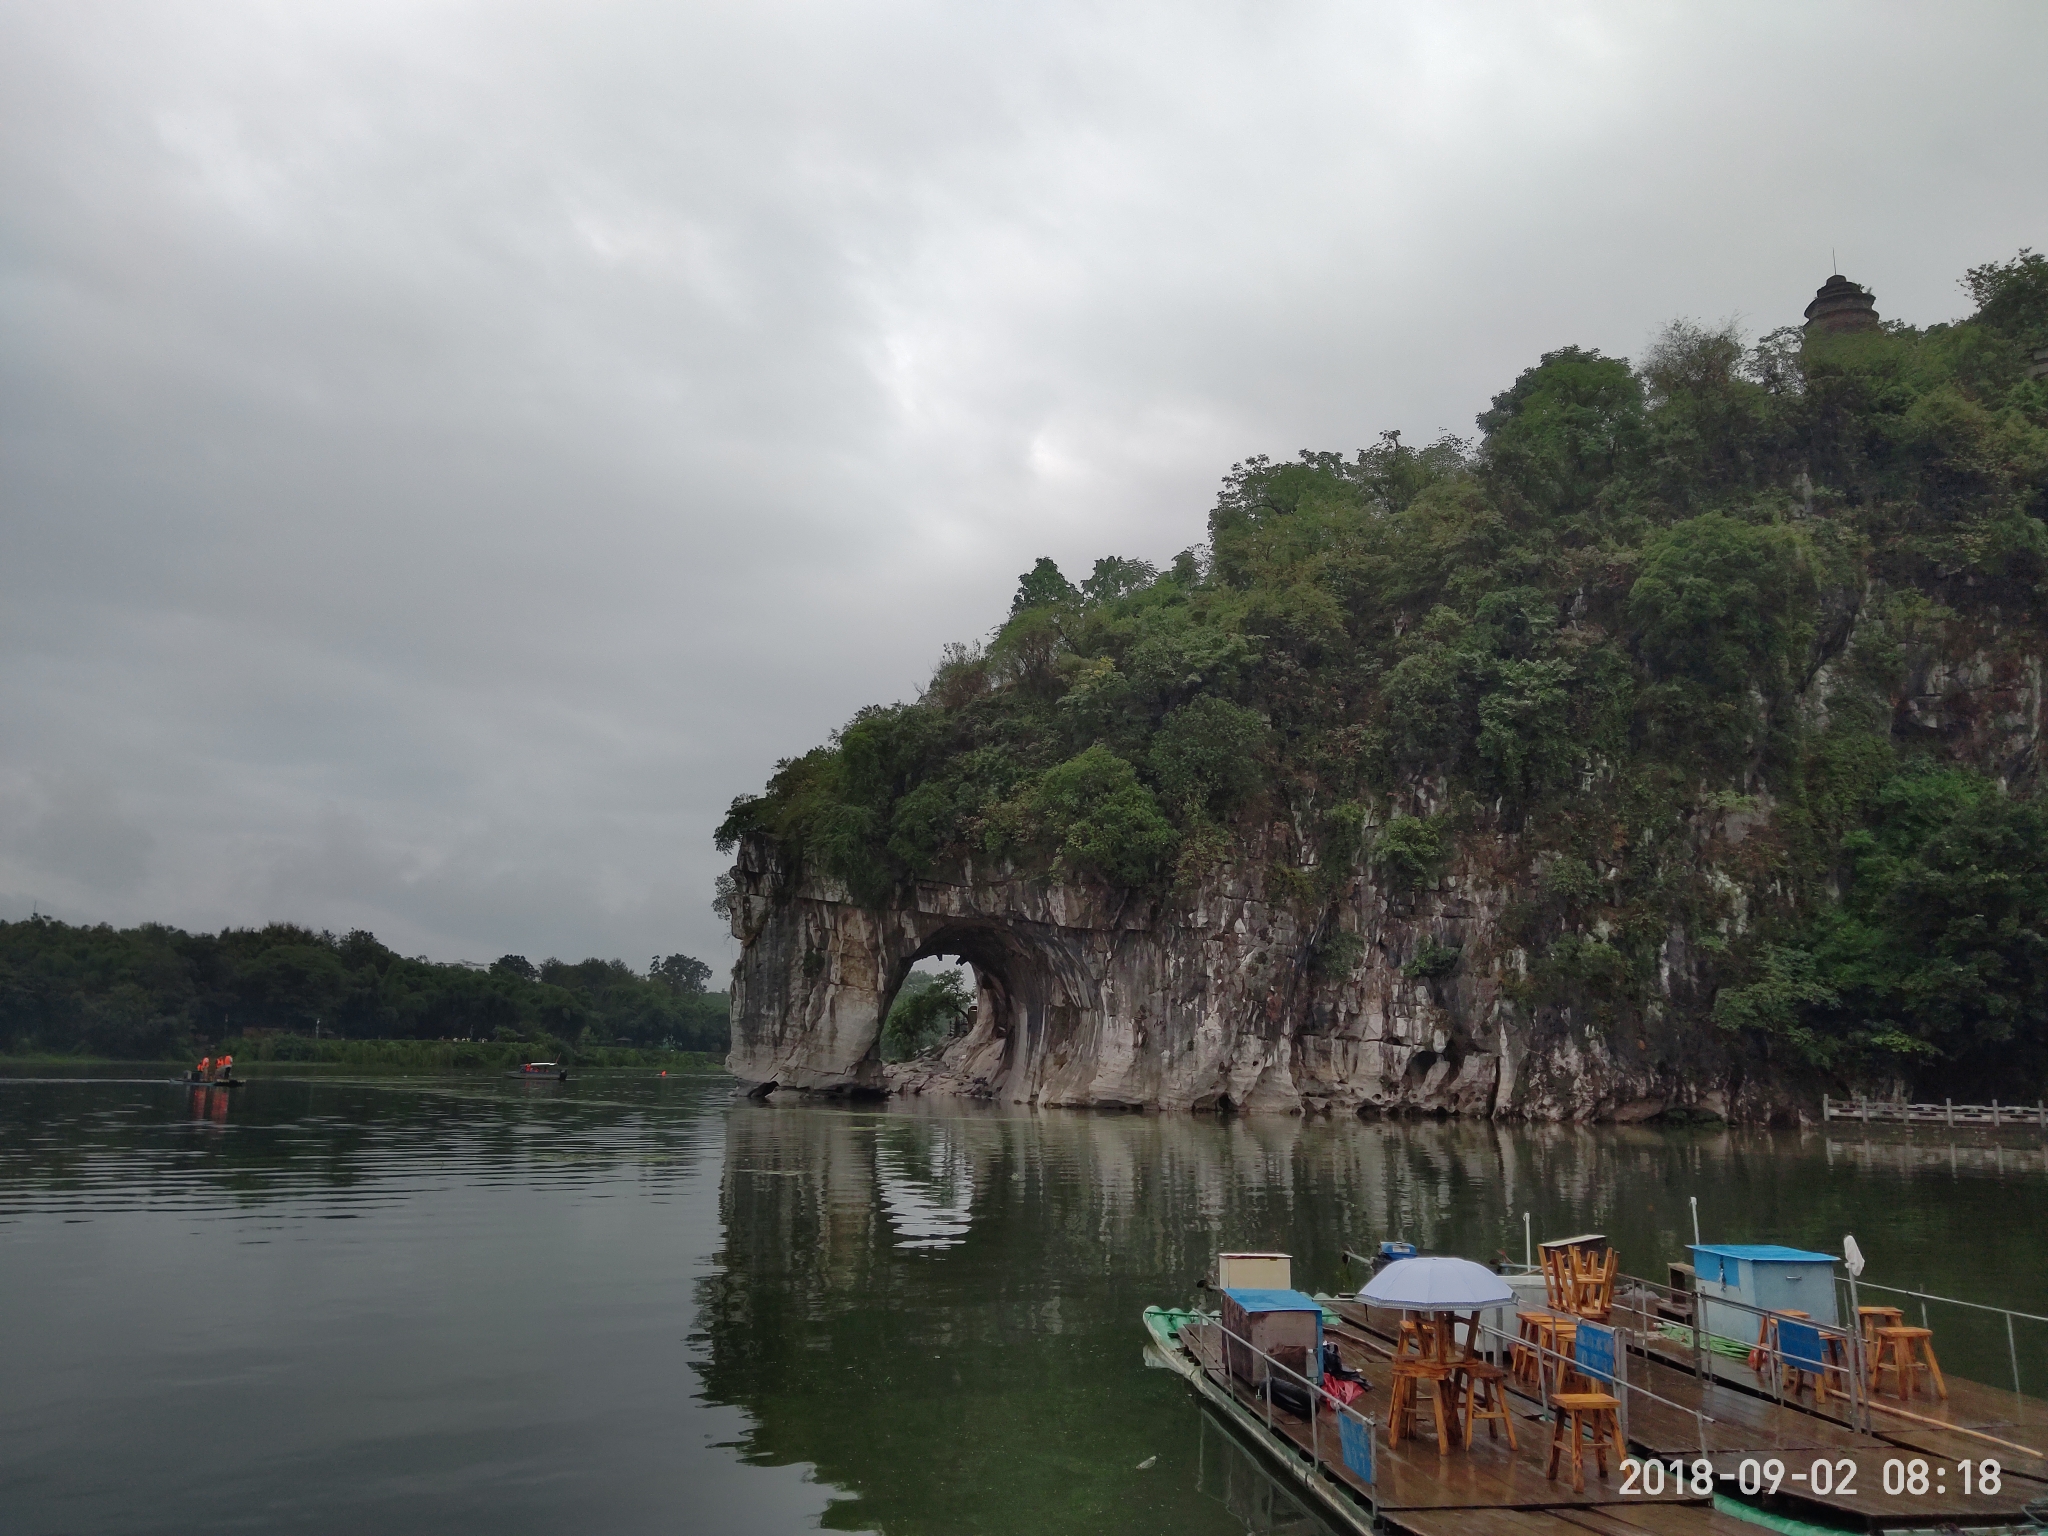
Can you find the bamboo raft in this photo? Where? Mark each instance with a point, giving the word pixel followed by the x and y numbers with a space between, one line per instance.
pixel 1492 1490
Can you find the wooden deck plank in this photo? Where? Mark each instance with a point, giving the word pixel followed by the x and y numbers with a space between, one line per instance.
pixel 1750 1425
pixel 2017 1420
pixel 1868 1503
pixel 1742 1420
pixel 1604 1520
pixel 1949 1447
pixel 1970 1404
pixel 1491 1522
pixel 1658 1520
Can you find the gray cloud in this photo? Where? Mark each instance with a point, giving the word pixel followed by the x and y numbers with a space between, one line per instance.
pixel 72 839
pixel 447 451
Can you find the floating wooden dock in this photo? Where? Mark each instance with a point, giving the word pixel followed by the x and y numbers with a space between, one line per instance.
pixel 1974 1422
pixel 1492 1490
pixel 1422 1493
pixel 1687 1519
pixel 1833 1464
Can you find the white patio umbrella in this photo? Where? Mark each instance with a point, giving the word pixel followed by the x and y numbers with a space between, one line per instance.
pixel 1436 1285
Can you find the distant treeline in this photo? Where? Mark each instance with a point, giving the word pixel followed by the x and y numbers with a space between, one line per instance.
pixel 153 992
pixel 297 1052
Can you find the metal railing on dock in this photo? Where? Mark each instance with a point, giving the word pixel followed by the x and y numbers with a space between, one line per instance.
pixel 1571 1365
pixel 2010 1315
pixel 1947 1112
pixel 1555 1365
pixel 1841 1348
pixel 1847 1338
pixel 1319 1400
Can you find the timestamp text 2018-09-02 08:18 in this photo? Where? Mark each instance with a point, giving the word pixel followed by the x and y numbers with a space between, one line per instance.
pixel 1902 1477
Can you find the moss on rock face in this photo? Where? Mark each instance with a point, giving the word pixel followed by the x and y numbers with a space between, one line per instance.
pixel 1653 664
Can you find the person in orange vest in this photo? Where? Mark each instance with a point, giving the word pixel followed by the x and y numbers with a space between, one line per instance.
pixel 205 1063
pixel 227 1068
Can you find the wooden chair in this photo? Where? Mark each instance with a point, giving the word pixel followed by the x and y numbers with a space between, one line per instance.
pixel 1592 1284
pixel 1419 1339
pixel 1901 1351
pixel 1557 1279
pixel 1403 1406
pixel 1573 1416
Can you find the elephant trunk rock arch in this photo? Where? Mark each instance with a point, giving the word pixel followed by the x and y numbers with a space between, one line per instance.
pixel 1090 996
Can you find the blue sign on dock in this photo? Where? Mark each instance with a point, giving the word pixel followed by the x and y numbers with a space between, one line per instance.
pixel 1357 1437
pixel 1593 1355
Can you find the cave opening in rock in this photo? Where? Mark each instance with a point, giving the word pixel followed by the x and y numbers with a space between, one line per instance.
pixel 958 981
pixel 934 1003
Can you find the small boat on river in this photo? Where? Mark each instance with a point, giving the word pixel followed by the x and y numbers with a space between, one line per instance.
pixel 542 1072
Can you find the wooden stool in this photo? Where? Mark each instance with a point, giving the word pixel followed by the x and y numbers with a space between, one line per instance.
pixel 1486 1398
pixel 1834 1349
pixel 1540 1331
pixel 1525 1362
pixel 1572 1416
pixel 1870 1319
pixel 1402 1406
pixel 1564 1338
pixel 1896 1352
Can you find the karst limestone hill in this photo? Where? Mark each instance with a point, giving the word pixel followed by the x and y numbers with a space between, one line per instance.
pixel 1672 746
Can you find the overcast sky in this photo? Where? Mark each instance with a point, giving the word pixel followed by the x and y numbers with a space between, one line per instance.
pixel 447 451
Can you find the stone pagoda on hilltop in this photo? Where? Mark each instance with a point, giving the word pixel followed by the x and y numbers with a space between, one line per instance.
pixel 1841 305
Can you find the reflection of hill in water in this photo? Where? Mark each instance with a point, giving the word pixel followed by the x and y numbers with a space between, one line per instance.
pixel 940 1304
pixel 936 1304
pixel 926 1181
pixel 858 1184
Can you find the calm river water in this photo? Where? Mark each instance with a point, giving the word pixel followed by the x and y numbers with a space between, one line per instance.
pixel 627 1304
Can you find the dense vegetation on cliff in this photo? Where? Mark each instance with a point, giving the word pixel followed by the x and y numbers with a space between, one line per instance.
pixel 150 992
pixel 1650 644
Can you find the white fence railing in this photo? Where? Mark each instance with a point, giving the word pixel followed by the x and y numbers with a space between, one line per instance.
pixel 1947 1112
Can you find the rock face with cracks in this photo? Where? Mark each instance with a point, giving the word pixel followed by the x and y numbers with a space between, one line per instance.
pixel 1088 996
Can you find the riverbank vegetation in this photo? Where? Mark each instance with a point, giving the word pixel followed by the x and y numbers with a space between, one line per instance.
pixel 287 993
pixel 1714 645
pixel 296 1055
pixel 292 1051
